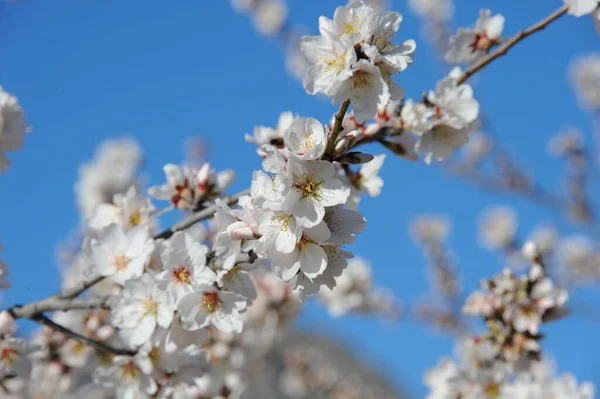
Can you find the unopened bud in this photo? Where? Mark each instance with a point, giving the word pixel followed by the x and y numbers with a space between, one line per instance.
pixel 355 158
pixel 240 231
pixel 342 144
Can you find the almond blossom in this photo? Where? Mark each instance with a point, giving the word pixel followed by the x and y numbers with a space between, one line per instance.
pixel 184 264
pixel 207 305
pixel 314 187
pixel 119 255
pixel 468 44
pixel 354 59
pixel 141 308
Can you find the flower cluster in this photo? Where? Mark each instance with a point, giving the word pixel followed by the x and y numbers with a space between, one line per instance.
pixel 12 126
pixel 294 215
pixel 354 58
pixel 500 363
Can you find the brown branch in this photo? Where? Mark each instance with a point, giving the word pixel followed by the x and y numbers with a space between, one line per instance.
pixel 502 50
pixel 40 318
pixel 337 127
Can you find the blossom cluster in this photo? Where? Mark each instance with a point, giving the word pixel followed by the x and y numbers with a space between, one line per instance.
pixel 501 362
pixel 354 58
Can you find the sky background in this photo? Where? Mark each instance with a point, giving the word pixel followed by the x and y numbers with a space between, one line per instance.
pixel 162 71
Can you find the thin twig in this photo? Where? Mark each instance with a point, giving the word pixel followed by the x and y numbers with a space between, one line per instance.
pixel 199 216
pixel 40 318
pixel 502 50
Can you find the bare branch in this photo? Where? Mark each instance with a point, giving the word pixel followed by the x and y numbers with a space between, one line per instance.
pixel 40 318
pixel 502 50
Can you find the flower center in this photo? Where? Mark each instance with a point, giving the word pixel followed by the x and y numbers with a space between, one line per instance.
pixel 284 220
pixel 129 370
pixel 360 79
pixel 135 218
pixel 181 274
pixel 308 187
pixel 150 307
pixel 121 261
pixel 9 356
pixel 211 301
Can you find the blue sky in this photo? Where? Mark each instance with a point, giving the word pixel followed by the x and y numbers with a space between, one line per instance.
pixel 162 71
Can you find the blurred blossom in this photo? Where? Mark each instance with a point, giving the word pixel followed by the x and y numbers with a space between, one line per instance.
pixel 478 147
pixel 546 238
pixel 434 10
pixel 112 171
pixel 579 260
pixel 567 141
pixel 585 76
pixel 270 16
pixel 430 228
pixel 498 227
pixel 296 62
pixel 12 126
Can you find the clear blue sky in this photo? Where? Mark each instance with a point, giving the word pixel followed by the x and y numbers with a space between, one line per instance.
pixel 162 71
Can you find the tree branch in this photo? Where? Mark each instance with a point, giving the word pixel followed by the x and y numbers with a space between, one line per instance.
pixel 40 318
pixel 502 50
pixel 200 215
pixel 55 303
pixel 67 299
pixel 337 127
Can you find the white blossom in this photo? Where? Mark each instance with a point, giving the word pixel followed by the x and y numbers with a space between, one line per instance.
pixel 434 10
pixel 15 356
pixel 270 16
pixel 585 76
pixel 184 264
pixel 128 210
pixel 274 136
pixel 314 187
pixel 498 227
pixel 187 187
pixel 12 126
pixel 308 254
pixel 140 308
pixel 207 305
pixel 131 377
pixel 468 44
pixel 580 8
pixel 118 254
pixel 306 138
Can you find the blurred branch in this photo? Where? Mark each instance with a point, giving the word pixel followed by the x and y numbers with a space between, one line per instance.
pixel 40 318
pixel 502 50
